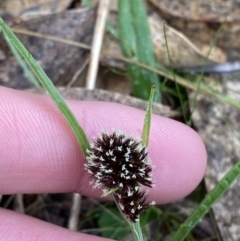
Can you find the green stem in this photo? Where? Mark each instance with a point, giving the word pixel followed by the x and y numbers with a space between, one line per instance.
pixel 207 202
pixel 137 231
pixel 48 85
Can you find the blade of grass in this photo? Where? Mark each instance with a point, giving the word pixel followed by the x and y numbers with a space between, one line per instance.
pixel 207 202
pixel 144 43
pixel 126 32
pixel 48 85
pixel 136 43
pixel 147 120
pixel 27 72
pixel 174 78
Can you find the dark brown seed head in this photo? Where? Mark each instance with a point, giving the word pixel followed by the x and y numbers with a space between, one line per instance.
pixel 121 163
pixel 117 161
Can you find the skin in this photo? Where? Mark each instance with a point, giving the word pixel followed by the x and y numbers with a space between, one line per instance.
pixel 39 154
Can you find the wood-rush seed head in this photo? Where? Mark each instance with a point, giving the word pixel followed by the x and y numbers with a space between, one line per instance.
pixel 120 163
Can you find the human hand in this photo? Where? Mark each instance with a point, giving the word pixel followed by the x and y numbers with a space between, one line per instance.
pixel 39 154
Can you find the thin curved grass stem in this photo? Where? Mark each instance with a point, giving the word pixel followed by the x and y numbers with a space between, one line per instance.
pixel 173 73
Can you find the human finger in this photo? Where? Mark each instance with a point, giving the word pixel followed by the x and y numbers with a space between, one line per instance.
pixel 16 226
pixel 39 152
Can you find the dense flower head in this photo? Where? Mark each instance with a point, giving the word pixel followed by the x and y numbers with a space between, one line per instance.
pixel 120 163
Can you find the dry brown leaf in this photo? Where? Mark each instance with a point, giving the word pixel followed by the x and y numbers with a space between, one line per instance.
pixel 30 7
pixel 112 6
pixel 59 60
pixel 201 19
pixel 182 51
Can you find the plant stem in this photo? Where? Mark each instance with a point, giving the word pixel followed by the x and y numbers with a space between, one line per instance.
pixel 137 231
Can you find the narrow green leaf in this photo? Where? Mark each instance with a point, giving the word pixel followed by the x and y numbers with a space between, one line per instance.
pixel 87 3
pixel 147 120
pixel 126 31
pixel 207 202
pixel 136 43
pixel 48 85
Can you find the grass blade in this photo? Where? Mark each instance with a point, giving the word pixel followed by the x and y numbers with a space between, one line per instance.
pixel 48 85
pixel 147 120
pixel 207 202
pixel 136 43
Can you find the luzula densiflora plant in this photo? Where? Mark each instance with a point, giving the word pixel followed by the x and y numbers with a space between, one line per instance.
pixel 119 164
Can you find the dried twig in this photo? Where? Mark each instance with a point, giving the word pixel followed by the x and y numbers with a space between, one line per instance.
pixel 50 37
pixel 78 72
pixel 97 43
pixel 75 211
pixel 18 203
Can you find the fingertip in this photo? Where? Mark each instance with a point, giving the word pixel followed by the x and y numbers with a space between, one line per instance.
pixel 50 159
pixel 16 226
pixel 180 158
